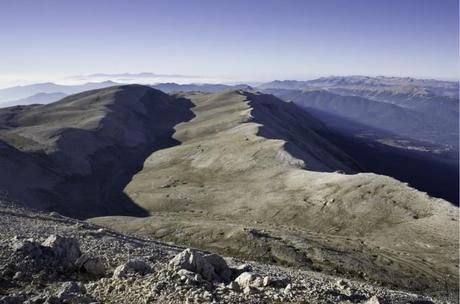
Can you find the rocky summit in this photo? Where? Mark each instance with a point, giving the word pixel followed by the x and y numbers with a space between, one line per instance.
pixel 49 258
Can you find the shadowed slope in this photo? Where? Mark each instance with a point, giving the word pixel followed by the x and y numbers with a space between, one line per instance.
pixel 300 131
pixel 388 139
pixel 400 120
pixel 90 144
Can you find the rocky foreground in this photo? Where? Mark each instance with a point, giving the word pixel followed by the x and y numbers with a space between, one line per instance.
pixel 48 258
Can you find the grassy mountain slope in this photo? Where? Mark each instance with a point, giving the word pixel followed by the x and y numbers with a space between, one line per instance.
pixel 237 184
pixel 87 146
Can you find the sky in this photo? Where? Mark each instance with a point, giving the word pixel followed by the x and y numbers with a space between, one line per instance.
pixel 228 41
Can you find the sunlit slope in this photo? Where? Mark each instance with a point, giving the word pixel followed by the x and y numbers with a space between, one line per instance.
pixel 251 177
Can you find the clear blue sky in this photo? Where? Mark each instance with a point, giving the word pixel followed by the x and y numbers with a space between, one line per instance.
pixel 237 39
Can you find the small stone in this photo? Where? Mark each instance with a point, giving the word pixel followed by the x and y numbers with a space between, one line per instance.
pixel 266 281
pixel 342 284
pixel 18 276
pixel 206 294
pixel 189 277
pixel 198 278
pixel 288 288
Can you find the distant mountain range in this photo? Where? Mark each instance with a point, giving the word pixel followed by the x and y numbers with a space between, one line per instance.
pixel 438 125
pixel 8 95
pixel 430 107
pixel 403 127
pixel 406 85
pixel 48 92
pixel 132 75
pixel 205 87
pixel 39 98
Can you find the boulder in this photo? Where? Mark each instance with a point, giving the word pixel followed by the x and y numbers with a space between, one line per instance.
pixel 132 266
pixel 70 290
pixel 220 266
pixel 92 265
pixel 236 271
pixel 27 247
pixel 66 250
pixel 249 279
pixel 193 261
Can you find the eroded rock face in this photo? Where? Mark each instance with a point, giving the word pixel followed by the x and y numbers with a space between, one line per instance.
pixel 132 266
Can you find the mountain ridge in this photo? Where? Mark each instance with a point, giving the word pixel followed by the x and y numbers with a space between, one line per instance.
pixel 74 137
pixel 236 188
pixel 238 172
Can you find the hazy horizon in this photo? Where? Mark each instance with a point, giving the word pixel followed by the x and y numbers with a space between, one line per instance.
pixel 232 42
pixel 179 80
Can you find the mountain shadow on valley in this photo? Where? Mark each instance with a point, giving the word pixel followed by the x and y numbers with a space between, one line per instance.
pixel 416 163
pixel 301 133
